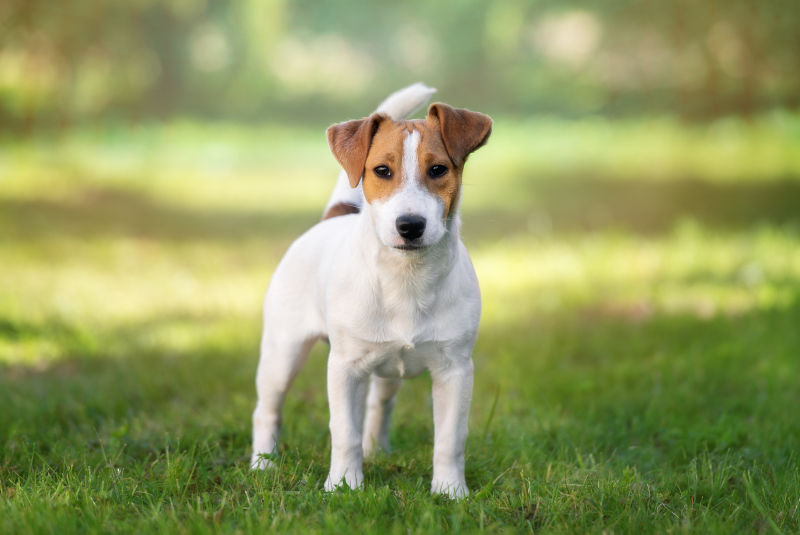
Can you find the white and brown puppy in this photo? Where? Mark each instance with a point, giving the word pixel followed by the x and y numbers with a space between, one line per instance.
pixel 386 279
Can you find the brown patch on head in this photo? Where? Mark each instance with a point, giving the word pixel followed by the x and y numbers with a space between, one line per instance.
pixel 463 131
pixel 432 155
pixel 449 136
pixel 370 147
pixel 350 142
pixel 386 151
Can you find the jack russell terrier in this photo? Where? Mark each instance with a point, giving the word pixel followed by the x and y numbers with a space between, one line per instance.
pixel 385 278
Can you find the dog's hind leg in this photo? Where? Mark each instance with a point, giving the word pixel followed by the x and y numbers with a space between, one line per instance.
pixel 380 402
pixel 280 361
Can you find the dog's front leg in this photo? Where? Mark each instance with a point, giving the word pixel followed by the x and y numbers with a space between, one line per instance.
pixel 347 388
pixel 452 393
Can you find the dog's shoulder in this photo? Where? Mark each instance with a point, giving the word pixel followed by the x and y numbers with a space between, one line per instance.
pixel 318 245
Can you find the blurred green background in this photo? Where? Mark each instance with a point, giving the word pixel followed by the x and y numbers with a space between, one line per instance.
pixel 634 222
pixel 69 63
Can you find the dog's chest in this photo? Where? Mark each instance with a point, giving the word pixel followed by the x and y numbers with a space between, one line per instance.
pixel 396 360
pixel 399 344
pixel 405 339
pixel 398 324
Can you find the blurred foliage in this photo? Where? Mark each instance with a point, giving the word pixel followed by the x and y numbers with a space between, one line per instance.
pixel 63 63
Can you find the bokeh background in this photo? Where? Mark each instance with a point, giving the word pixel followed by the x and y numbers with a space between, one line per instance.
pixel 252 61
pixel 634 221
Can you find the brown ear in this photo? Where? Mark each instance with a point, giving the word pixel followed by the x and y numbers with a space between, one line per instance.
pixel 463 131
pixel 350 141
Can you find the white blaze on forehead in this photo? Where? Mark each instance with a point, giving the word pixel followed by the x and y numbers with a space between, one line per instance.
pixel 410 197
pixel 410 160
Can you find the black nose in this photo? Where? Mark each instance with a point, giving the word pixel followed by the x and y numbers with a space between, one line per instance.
pixel 410 227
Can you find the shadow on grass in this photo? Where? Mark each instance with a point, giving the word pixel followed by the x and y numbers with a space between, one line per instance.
pixel 553 205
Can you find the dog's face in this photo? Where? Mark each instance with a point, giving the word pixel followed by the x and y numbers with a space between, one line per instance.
pixel 411 169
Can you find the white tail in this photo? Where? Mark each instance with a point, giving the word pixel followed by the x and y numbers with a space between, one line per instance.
pixel 399 105
pixel 402 103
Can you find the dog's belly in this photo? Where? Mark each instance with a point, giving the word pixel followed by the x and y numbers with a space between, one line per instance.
pixel 397 360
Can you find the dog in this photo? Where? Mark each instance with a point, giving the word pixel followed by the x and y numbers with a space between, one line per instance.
pixel 385 278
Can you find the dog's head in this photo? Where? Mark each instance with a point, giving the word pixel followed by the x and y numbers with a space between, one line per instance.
pixel 411 169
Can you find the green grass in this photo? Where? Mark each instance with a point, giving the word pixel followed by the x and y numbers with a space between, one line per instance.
pixel 637 366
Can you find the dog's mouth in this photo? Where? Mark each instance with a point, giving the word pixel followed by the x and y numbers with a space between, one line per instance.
pixel 410 247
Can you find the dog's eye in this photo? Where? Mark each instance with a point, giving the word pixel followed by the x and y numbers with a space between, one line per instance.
pixel 383 171
pixel 437 171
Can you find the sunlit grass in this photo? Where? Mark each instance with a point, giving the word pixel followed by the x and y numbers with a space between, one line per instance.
pixel 638 347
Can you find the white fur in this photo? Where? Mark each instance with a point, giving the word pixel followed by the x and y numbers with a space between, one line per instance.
pixel 388 314
pixel 403 103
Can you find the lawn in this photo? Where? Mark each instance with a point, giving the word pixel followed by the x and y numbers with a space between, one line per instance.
pixel 636 368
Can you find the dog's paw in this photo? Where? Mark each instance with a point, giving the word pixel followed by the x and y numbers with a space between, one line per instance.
pixel 354 480
pixel 454 490
pixel 260 461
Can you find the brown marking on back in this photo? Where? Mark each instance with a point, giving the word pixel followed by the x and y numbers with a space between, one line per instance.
pixel 340 208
